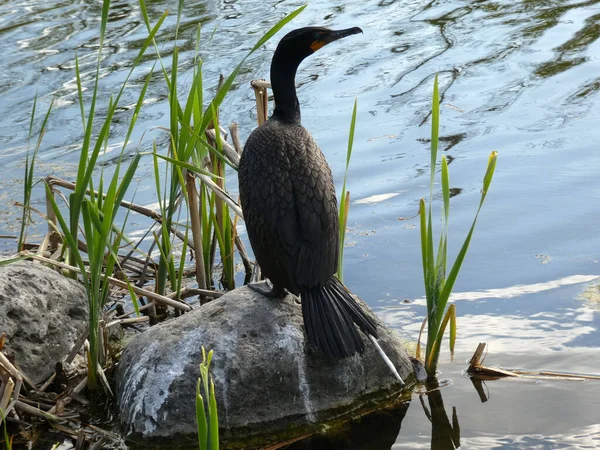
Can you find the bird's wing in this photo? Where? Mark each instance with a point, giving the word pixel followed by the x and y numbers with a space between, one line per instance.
pixel 316 212
pixel 289 206
pixel 268 203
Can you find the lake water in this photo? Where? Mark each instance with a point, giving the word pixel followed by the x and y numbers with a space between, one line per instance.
pixel 520 77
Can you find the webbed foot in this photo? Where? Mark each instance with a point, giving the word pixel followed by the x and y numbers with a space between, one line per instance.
pixel 267 289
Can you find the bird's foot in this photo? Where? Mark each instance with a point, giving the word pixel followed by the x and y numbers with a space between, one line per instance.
pixel 267 289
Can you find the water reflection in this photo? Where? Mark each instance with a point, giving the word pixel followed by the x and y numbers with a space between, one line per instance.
pixel 445 432
pixel 382 430
pixel 376 431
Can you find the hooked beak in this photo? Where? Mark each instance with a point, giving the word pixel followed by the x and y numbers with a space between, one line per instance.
pixel 334 35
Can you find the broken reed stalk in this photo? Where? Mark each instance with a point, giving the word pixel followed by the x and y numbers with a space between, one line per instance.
pixel 229 151
pixel 262 99
pixel 122 284
pixel 477 369
pixel 36 412
pixel 235 138
pixel 220 193
pixel 12 381
pixel 52 226
pixel 53 234
pixel 53 181
pixel 194 210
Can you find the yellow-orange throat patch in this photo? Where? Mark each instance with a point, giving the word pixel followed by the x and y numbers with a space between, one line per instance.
pixel 317 45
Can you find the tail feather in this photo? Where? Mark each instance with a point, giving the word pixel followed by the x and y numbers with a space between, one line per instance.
pixel 360 318
pixel 330 314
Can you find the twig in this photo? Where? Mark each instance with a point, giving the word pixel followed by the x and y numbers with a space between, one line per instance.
pixel 196 220
pixel 33 411
pixel 262 99
pixel 151 295
pixel 77 345
pixel 12 386
pixel 228 150
pixel 221 194
pixel 235 138
pixel 476 369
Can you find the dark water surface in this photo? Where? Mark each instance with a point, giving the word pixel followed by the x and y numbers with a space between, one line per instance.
pixel 520 77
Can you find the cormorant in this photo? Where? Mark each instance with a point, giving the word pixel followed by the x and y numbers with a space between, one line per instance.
pixel 290 208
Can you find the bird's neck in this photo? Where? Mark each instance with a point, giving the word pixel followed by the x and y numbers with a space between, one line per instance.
pixel 283 75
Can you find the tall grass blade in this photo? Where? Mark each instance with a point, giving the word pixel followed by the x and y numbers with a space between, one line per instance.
pixel 344 201
pixel 201 419
pixel 216 102
pixel 29 171
pixel 438 286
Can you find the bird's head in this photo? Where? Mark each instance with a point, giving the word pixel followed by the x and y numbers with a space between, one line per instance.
pixel 303 42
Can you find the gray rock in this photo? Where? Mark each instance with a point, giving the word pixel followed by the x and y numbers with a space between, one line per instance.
pixel 269 385
pixel 42 313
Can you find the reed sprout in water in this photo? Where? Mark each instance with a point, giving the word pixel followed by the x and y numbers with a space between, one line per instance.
pixel 439 282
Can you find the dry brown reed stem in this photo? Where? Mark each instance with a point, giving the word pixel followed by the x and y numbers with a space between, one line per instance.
pixel 477 369
pixel 71 356
pixel 235 138
pixel 151 295
pixel 228 150
pixel 47 383
pixel 132 320
pixel 36 412
pixel 243 253
pixel 41 405
pixel 185 292
pixel 223 195
pixel 53 181
pixel 196 220
pixel 262 99
pixel 53 234
pixel 66 400
pixel 12 381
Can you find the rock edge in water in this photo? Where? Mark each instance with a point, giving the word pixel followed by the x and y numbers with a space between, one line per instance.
pixel 268 383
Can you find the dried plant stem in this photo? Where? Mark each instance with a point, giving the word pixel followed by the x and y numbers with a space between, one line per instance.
pixel 33 411
pixel 53 181
pixel 151 295
pixel 235 138
pixel 228 150
pixel 12 389
pixel 223 195
pixel 477 369
pixel 262 99
pixel 53 234
pixel 196 220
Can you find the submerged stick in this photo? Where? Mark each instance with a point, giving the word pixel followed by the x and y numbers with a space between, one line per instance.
pixel 386 359
pixel 476 369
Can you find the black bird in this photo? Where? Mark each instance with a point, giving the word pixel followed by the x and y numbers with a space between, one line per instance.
pixel 290 208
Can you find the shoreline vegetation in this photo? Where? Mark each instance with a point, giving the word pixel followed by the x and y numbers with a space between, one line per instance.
pixel 87 238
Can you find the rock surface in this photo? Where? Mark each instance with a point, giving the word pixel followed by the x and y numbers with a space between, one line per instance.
pixel 42 313
pixel 269 384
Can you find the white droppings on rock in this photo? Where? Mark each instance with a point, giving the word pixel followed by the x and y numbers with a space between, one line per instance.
pixel 136 376
pixel 145 402
pixel 291 341
pixel 267 379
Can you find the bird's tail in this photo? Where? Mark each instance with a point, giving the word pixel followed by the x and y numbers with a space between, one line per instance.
pixel 330 313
